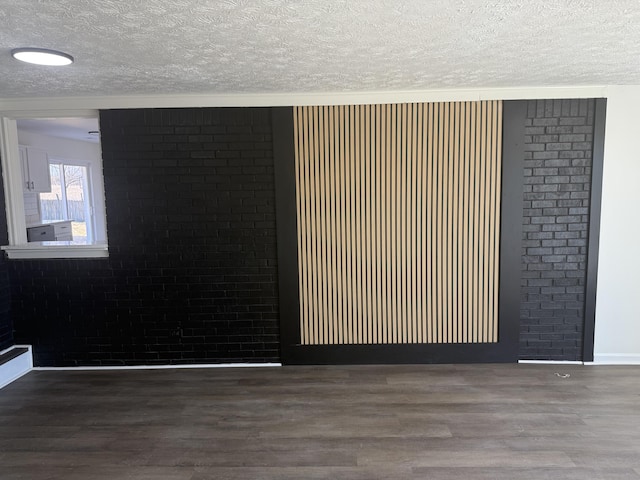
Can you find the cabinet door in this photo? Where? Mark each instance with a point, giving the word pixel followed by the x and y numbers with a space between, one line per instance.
pixel 41 234
pixel 63 231
pixel 38 167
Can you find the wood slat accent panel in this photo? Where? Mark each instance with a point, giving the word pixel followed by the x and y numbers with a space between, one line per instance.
pixel 398 214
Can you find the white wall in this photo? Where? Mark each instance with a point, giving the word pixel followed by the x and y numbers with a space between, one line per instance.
pixel 74 151
pixel 617 333
pixel 61 147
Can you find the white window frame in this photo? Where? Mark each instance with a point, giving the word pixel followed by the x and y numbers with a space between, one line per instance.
pixel 13 193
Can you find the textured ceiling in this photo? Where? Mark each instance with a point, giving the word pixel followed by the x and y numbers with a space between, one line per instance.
pixel 268 46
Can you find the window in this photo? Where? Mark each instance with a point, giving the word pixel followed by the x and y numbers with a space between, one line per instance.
pixel 68 199
pixel 54 189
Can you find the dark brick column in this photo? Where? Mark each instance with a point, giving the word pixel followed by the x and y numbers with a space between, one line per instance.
pixel 558 153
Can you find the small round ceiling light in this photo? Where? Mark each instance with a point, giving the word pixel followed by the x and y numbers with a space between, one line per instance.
pixel 42 56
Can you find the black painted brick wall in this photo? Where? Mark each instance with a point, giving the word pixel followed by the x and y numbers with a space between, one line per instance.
pixel 191 276
pixel 6 325
pixel 558 153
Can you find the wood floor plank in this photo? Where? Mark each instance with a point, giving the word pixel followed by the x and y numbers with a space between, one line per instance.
pixel 306 473
pixel 516 422
pixel 479 458
pixel 536 473
pixel 92 473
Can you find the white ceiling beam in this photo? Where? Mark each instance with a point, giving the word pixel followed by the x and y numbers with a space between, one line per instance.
pixel 42 105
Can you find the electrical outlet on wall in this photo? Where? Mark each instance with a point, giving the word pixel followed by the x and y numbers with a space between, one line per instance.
pixel 177 332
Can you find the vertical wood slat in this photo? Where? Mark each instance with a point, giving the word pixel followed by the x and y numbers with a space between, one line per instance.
pixel 398 222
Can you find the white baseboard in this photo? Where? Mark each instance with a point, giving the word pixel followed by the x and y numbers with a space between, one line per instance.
pixel 164 367
pixel 616 359
pixel 16 367
pixel 550 362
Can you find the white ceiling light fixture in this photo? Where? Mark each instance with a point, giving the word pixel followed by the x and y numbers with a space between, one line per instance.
pixel 42 56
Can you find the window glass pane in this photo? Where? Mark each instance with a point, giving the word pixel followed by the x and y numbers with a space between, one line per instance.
pixel 52 203
pixel 77 205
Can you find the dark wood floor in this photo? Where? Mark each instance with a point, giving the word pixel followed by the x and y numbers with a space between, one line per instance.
pixel 376 422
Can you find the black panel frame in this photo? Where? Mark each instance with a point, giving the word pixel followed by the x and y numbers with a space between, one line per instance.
pixel 595 207
pixel 505 350
pixel 286 228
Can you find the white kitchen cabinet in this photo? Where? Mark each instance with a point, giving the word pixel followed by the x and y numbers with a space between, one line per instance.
pixel 35 170
pixel 41 232
pixel 62 231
